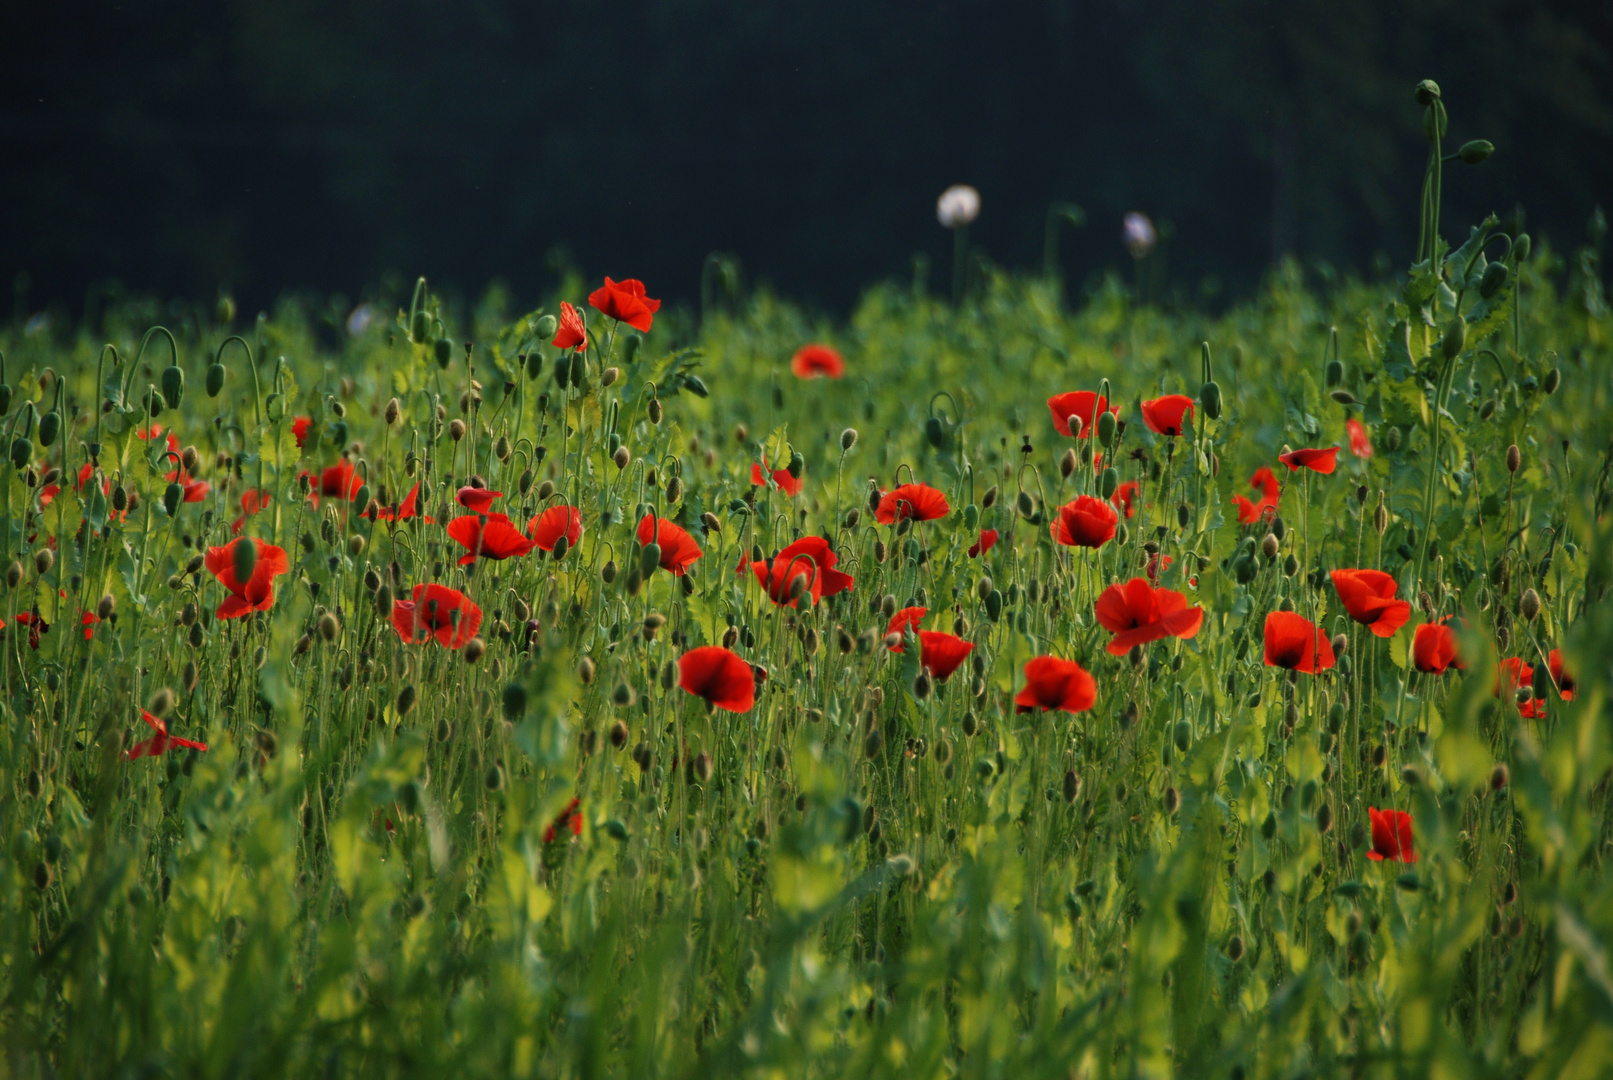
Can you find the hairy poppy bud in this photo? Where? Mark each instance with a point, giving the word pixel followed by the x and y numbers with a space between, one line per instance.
pixel 1475 151
pixel 1499 777
pixel 585 670
pixel 989 500
pixel 1514 458
pixel 1391 438
pixel 922 686
pixel 329 627
pixel 21 451
pixel 1426 92
pixel 1072 786
pixel 1027 504
pixel 456 429
pixel 103 610
pixel 1455 337
pixel 443 350
pixel 14 574
pixel 1495 276
pixel 1529 605
pixel 161 702
pixel 1067 463
pixel 621 457
pixel 1269 546
pixel 649 558
pixel 848 438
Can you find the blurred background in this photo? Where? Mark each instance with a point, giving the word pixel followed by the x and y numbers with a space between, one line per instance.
pixel 180 146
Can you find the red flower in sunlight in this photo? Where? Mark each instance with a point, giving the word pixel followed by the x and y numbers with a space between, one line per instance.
pixel 1360 441
pixel 719 676
pixel 1164 415
pixel 252 501
pixel 340 479
pixel 476 500
pixel 811 361
pixel 902 620
pixel 299 428
pixel 987 541
pixel 1085 522
pixel 1369 597
pixel 1295 643
pixel 1124 497
pixel 1433 648
pixel 159 743
pixel 625 300
pixel 569 818
pixel 257 592
pixel 918 501
pixel 1051 683
pixel 552 524
pixel 1084 405
pixel 1264 481
pixel 1136 613
pixel 408 508
pixel 437 611
pixel 942 653
pixel 1391 836
pixel 809 560
pixel 790 485
pixel 488 536
pixel 1322 461
pixel 571 332
pixel 1566 686
pixel 678 549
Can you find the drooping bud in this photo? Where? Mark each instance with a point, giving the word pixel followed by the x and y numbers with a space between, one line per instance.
pixel 1455 337
pixel 848 439
pixel 1475 151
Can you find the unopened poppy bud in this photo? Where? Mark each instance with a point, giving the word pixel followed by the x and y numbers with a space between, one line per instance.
pixel 1455 337
pixel 607 573
pixel 853 517
pixel 1235 949
pixel 880 551
pixel 1210 398
pixel 585 670
pixel 1553 379
pixel 989 500
pixel 621 457
pixel 1529 605
pixel 1027 504
pixel 1269 546
pixel 1344 397
pixel 1067 463
pixel 44 559
pixel 1324 818
pixel 383 601
pixel 1380 516
pixel 1183 515
pixel 1107 428
pixel 1499 776
pixel 649 558
pixel 1426 92
pixel 1514 458
pixel 456 429
pixel 329 627
pixel 14 574
pixel 1334 373
pixel 848 438
pixel 709 520
pixel 1495 276
pixel 1391 438
pixel 1172 801
pixel 187 458
pixel 1290 565
pixel 1108 482
pixel 796 466
pixel 702 767
pixel 161 702
pixel 1475 151
pixel 1341 642
pixel 674 489
pixel 922 686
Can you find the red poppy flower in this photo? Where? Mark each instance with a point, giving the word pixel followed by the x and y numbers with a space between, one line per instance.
pixel 47 495
pixel 811 361
pixel 1125 496
pixel 1566 686
pixel 340 479
pixel 553 523
pixel 1157 565
pixel 1369 597
pixel 1511 674
pixel 1085 522
pixel 1433 648
pixel 571 332
pixel 252 501
pixel 88 622
pixel 902 620
pixel 625 300
pixel 1164 415
pixel 1322 461
pixel 1360 441
pixel 408 508
pixel 678 549
pixel 1264 481
pixel 942 653
pixel 918 501
pixel 988 540
pixel 490 536
pixel 159 743
pixel 1051 683
pixel 1136 613
pixel 437 611
pixel 1295 643
pixel 719 676
pixel 476 500
pixel 155 431
pixel 299 428
pixel 255 594
pixel 1391 836
pixel 570 817
pixel 1084 405
pixel 809 559
pixel 36 626
pixel 790 485
pixel 194 490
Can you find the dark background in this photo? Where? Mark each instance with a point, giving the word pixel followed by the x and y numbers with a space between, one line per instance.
pixel 179 146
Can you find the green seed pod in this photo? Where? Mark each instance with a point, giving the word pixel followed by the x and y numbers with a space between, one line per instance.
pixel 1495 276
pixel 1210 398
pixel 1109 482
pixel 50 425
pixel 215 380
pixel 1335 373
pixel 173 384
pixel 1107 426
pixel 1455 337
pixel 1475 151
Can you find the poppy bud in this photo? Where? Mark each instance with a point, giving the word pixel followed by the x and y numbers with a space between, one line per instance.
pixel 1334 373
pixel 880 551
pixel 1183 515
pixel 873 744
pixel 21 450
pixel 1426 92
pixel 1391 438
pixel 383 601
pixel 1529 605
pixel 1495 276
pixel 1268 546
pixel 1122 534
pixel 1210 398
pixel 329 627
pixel 1514 458
pixel 44 559
pixel 848 439
pixel 1324 818
pixel 607 573
pixel 1499 778
pixel 621 457
pixel 1380 516
pixel 649 558
pixel 456 429
pixel 1235 949
pixel 1072 786
pixel 562 369
pixel 1520 248
pixel 674 489
pixel 1172 801
pixel 1554 379
pixel 797 465
pixel 922 686
pixel 1067 463
pixel 1027 504
pixel 990 498
pixel 1290 565
pixel 161 702
pixel 443 350
pixel 585 670
pixel 1475 151
pixel 1455 337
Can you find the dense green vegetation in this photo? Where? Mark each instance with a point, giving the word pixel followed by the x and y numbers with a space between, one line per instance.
pixel 520 847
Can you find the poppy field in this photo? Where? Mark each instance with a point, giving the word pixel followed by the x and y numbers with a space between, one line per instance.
pixel 1021 685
